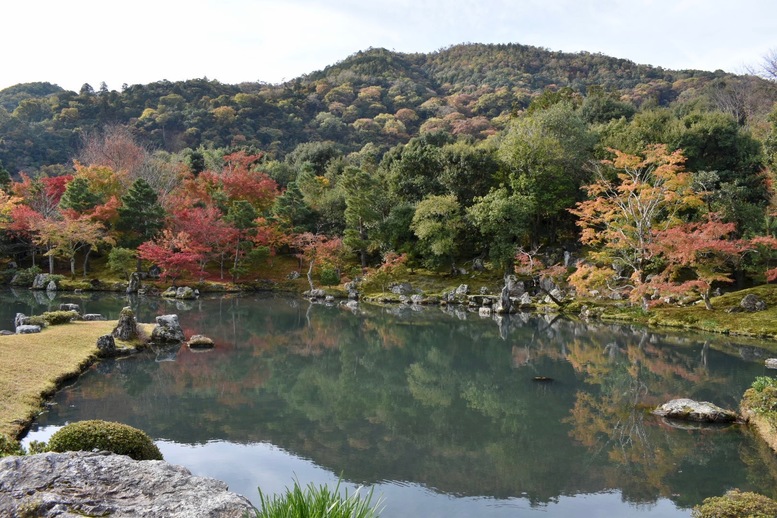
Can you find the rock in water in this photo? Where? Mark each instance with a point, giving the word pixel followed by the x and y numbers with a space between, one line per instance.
pixel 100 484
pixel 134 283
pixel 106 345
pixel 167 330
pixel 200 342
pixel 690 410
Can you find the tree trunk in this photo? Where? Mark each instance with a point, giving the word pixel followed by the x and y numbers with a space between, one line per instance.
pixel 237 255
pixel 363 237
pixel 51 263
pixel 310 275
pixel 705 296
pixel 86 259
pixel 72 266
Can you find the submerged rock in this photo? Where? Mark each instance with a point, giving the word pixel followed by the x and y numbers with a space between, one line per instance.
pixel 690 410
pixel 101 484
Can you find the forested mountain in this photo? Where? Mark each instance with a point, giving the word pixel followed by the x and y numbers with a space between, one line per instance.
pixel 475 154
pixel 375 96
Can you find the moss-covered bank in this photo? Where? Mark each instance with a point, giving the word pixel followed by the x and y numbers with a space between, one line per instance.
pixel 34 366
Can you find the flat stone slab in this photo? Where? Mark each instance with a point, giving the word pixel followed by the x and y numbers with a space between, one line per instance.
pixel 72 484
pixel 700 411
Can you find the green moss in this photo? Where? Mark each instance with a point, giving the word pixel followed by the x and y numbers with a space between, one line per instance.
pixel 104 435
pixel 736 504
pixel 71 285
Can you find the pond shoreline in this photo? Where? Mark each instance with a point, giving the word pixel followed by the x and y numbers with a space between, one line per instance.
pixel 607 313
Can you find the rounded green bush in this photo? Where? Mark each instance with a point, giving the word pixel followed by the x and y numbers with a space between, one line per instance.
pixel 55 318
pixel 735 504
pixel 104 435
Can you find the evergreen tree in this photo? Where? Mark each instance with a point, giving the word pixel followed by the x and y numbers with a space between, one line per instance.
pixel 361 195
pixel 141 217
pixel 78 196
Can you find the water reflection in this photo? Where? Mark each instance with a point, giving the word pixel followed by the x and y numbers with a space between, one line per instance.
pixel 438 406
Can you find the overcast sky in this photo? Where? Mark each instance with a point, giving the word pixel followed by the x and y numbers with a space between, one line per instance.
pixel 90 41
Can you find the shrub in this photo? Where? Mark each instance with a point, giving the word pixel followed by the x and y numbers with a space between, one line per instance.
pixel 761 397
pixel 104 435
pixel 9 446
pixel 736 504
pixel 317 501
pixel 55 318
pixel 25 276
pixel 329 277
pixel 37 447
pixel 35 320
pixel 762 382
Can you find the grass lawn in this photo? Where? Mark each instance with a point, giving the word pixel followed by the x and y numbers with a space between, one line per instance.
pixel 33 366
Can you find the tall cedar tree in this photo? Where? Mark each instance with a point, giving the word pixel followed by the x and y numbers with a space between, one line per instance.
pixel 141 217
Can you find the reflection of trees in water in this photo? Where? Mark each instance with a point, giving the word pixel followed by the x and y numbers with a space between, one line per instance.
pixel 427 397
pixel 633 373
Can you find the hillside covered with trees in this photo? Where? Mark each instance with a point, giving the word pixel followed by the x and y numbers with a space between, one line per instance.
pixel 504 156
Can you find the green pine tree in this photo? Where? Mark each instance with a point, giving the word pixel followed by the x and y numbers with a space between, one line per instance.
pixel 78 196
pixel 141 216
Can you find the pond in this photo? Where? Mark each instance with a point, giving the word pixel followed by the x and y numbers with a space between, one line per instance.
pixel 441 411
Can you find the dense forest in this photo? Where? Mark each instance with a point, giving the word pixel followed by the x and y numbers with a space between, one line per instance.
pixel 487 156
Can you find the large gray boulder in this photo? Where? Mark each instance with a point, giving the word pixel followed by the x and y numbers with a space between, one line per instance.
pixel 70 307
pixel 167 330
pixel 106 346
pixel 74 484
pixel 402 288
pixel 700 411
pixel 185 293
pixel 127 327
pixel 752 303
pixel 40 281
pixel 19 320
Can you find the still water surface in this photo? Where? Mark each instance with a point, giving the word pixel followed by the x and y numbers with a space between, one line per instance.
pixel 438 410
